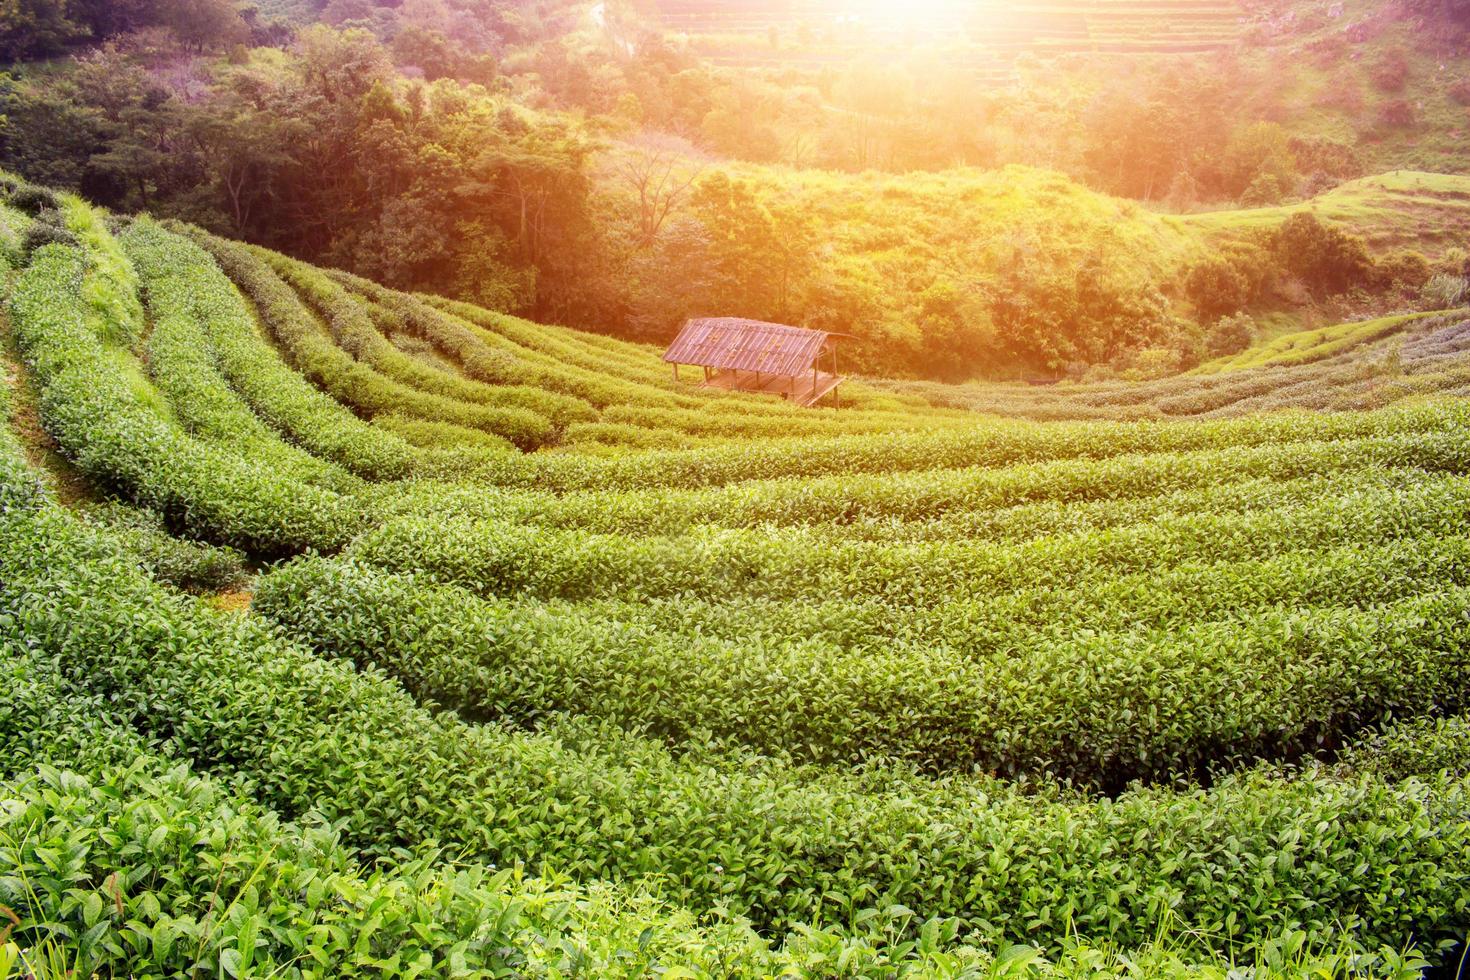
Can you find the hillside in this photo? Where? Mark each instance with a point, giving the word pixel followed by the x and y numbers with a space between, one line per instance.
pixel 1428 212
pixel 431 641
pixel 985 38
pixel 1112 208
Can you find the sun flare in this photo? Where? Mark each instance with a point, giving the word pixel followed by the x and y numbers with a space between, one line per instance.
pixel 917 14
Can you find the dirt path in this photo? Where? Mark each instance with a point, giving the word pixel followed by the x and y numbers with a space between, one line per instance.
pixel 65 480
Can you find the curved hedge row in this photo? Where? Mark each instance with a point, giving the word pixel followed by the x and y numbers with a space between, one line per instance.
pixel 115 435
pixel 184 291
pixel 451 398
pixel 943 504
pixel 286 400
pixel 1255 854
pixel 21 488
pixel 496 368
pixel 988 445
pixel 110 287
pixel 500 558
pixel 1096 699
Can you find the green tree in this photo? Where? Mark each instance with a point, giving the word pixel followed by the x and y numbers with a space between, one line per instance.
pixel 37 29
pixel 203 25
pixel 1326 259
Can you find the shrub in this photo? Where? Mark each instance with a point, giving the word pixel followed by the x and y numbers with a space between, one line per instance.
pixel 1230 335
pixel 1325 258
pixel 1444 292
pixel 34 201
pixel 1264 190
pixel 1397 114
pixel 181 563
pixel 112 429
pixel 1217 288
pixel 1404 270
pixel 1390 72
pixel 47 229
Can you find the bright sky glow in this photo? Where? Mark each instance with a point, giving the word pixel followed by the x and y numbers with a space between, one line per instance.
pixel 920 14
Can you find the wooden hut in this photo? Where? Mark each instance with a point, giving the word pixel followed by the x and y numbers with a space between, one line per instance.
pixel 737 354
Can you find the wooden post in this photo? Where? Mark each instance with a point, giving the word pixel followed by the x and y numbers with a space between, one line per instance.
pixel 676 372
pixel 706 374
pixel 836 383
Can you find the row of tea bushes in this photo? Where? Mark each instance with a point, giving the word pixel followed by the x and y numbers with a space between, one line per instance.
pixel 940 504
pixel 112 429
pixel 453 398
pixel 185 291
pixel 316 355
pixel 787 845
pixel 282 396
pixel 1099 708
pixel 992 445
pixel 797 564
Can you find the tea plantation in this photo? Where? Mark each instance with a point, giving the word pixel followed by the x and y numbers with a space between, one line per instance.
pixel 356 633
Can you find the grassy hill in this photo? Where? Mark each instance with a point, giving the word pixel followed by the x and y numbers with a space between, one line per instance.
pixel 353 631
pixel 1428 212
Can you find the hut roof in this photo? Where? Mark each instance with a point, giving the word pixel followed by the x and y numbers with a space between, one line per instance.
pixel 734 343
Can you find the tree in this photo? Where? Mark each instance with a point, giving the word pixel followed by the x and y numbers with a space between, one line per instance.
pixel 37 29
pixel 1259 154
pixel 956 331
pixel 1230 335
pixel 657 172
pixel 203 25
pixel 1216 288
pixel 243 150
pixel 534 175
pixel 759 253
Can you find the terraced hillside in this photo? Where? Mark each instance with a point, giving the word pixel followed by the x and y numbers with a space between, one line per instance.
pixel 1349 366
pixel 812 33
pixel 563 669
pixel 1429 212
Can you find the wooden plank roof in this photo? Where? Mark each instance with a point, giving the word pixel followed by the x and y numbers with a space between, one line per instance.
pixel 734 343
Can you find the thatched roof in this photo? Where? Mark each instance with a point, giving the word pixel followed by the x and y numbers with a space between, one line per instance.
pixel 734 343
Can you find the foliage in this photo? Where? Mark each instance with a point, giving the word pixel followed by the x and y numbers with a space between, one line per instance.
pixel 1326 258
pixel 179 562
pixel 1443 292
pixel 114 431
pixel 823 839
pixel 1230 335
pixel 710 685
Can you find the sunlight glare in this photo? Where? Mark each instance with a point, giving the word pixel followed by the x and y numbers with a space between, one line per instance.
pixel 924 15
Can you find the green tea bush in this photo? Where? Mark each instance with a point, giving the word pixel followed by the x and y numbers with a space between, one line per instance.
pixel 1256 854
pixel 178 562
pixel 185 291
pixel 479 362
pixel 283 397
pixel 459 399
pixel 495 557
pixel 160 872
pixel 347 380
pixel 110 286
pixel 1167 685
pixel 936 503
pixel 995 444
pixel 113 434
